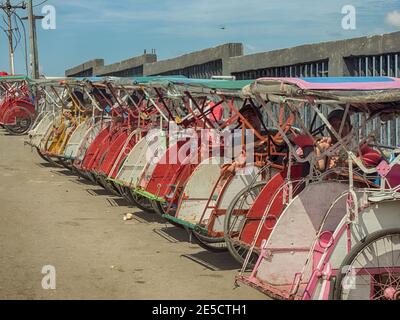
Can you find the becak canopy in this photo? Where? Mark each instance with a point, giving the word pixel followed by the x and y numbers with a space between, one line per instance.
pixel 374 95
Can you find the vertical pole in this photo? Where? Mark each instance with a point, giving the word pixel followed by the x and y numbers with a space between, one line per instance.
pixel 10 40
pixel 33 42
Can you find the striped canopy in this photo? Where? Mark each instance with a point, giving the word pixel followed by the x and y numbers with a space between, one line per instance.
pixel 366 94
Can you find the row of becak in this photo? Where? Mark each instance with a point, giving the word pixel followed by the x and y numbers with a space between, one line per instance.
pixel 287 174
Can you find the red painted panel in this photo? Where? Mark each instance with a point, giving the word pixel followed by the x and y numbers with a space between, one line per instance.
pixel 165 172
pixel 114 151
pixel 15 108
pixel 264 199
pixel 93 149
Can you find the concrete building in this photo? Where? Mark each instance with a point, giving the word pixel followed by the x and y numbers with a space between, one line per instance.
pixel 200 64
pixel 86 69
pixel 373 55
pixel 127 68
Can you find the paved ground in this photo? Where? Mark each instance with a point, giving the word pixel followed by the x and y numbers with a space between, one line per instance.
pixel 48 217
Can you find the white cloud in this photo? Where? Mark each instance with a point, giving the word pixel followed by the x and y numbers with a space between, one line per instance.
pixel 393 18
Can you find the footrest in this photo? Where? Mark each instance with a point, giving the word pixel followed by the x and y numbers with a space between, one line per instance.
pixel 148 195
pixel 383 196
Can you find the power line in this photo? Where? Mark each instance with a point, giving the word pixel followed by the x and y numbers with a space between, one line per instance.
pixel 16 33
pixel 25 41
pixel 9 10
pixel 39 4
pixel 12 34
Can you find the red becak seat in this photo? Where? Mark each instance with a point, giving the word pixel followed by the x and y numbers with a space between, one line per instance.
pixel 394 176
pixel 369 156
pixel 303 141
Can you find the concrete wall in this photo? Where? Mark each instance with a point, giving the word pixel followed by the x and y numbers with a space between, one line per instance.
pixel 97 68
pixel 208 62
pixel 128 64
pixel 334 51
pixel 223 52
pixel 85 68
pixel 366 46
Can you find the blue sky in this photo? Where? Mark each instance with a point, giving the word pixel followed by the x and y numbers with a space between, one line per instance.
pixel 119 29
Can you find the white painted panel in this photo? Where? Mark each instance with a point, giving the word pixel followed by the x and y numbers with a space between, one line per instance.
pixel 237 184
pixel 75 140
pixel 296 229
pixel 192 210
pixel 89 137
pixel 134 163
pixel 198 190
pixel 41 129
pixel 385 215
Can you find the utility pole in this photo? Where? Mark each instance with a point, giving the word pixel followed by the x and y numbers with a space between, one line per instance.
pixel 9 9
pixel 33 41
pixel 10 40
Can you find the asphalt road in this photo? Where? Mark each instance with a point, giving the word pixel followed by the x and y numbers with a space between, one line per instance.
pixel 51 218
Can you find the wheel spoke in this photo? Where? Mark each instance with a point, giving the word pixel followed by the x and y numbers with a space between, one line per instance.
pixel 377 268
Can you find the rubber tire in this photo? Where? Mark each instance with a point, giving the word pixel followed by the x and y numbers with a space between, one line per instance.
pixel 365 242
pixel 48 159
pixel 209 243
pixel 41 155
pixel 229 243
pixel 138 204
pixel 82 174
pixel 10 129
pixel 66 165
pixel 156 205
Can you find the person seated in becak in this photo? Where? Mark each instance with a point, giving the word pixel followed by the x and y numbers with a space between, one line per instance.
pixel 249 113
pixel 335 118
pixel 368 155
pixel 335 159
pixel 69 121
pixel 69 118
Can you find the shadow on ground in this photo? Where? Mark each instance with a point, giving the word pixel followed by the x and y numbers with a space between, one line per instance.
pixel 174 234
pixel 221 261
pixel 64 172
pixel 48 165
pixel 149 217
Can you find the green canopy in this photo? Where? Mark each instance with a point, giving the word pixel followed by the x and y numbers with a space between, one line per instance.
pixel 205 84
pixel 15 78
pixel 149 79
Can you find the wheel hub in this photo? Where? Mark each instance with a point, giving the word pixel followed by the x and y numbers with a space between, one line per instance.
pixel 392 294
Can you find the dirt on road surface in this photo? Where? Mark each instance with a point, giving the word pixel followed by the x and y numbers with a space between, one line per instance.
pixel 49 217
